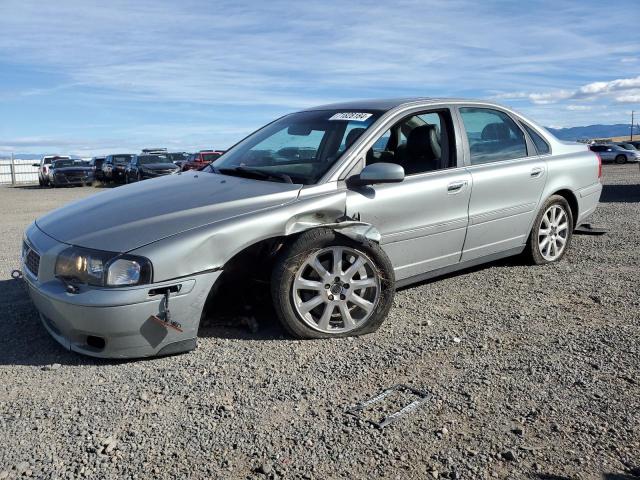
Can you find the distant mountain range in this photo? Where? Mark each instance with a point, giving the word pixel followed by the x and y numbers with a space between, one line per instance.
pixel 569 134
pixel 593 131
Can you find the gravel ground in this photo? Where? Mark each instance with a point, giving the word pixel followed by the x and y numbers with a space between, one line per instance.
pixel 531 373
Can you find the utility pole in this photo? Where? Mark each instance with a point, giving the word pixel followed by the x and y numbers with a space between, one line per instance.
pixel 631 135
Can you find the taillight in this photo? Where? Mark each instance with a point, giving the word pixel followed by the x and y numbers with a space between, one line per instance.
pixel 599 165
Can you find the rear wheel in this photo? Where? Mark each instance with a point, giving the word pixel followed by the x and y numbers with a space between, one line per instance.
pixel 552 231
pixel 326 285
pixel 620 159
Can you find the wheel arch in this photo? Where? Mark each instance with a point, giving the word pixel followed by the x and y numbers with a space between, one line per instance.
pixel 572 200
pixel 260 255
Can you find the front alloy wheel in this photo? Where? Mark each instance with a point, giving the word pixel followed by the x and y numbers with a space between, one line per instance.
pixel 327 285
pixel 336 289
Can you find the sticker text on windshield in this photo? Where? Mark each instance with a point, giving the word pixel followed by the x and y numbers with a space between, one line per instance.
pixel 351 116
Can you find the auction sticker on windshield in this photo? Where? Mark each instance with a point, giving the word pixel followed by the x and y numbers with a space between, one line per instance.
pixel 351 116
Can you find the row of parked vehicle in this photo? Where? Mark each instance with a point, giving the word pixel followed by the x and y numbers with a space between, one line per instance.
pixel 59 170
pixel 619 152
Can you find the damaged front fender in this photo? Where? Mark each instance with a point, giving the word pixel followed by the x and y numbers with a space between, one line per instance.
pixel 210 247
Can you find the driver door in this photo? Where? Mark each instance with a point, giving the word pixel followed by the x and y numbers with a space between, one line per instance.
pixel 423 219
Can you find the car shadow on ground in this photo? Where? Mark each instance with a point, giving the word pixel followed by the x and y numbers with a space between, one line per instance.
pixel 626 193
pixel 243 312
pixel 38 187
pixel 27 187
pixel 100 184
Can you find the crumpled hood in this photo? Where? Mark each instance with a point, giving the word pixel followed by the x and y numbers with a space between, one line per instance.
pixel 130 216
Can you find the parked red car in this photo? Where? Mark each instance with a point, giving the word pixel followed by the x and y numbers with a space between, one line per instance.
pixel 201 159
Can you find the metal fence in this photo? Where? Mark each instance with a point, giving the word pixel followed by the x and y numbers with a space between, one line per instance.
pixel 13 172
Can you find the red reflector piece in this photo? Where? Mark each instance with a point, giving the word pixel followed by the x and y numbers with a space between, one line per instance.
pixel 174 325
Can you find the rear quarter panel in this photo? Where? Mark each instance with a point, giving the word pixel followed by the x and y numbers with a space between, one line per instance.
pixel 575 168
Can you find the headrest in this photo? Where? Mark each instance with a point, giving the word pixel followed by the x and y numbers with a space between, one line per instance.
pixel 423 141
pixel 495 131
pixel 352 136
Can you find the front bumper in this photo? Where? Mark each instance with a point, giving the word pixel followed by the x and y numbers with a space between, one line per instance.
pixel 62 180
pixel 115 322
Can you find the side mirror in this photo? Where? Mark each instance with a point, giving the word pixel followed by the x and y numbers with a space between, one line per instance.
pixel 35 165
pixel 378 173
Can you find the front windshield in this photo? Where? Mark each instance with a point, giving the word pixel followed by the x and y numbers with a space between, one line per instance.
pixel 63 163
pixel 122 159
pixel 301 146
pixel 210 157
pixel 148 159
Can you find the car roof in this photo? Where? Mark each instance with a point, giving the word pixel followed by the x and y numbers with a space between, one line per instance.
pixel 386 104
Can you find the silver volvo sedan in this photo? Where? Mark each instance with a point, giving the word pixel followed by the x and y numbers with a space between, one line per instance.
pixel 337 205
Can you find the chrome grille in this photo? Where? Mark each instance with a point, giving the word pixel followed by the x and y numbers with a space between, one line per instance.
pixel 32 260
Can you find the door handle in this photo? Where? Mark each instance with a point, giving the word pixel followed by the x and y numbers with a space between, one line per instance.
pixel 455 187
pixel 537 171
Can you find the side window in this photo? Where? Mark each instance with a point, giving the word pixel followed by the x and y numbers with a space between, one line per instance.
pixel 492 135
pixel 419 143
pixel 541 145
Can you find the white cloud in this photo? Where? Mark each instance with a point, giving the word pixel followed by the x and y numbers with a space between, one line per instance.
pixel 579 108
pixel 590 91
pixel 629 98
pixel 277 56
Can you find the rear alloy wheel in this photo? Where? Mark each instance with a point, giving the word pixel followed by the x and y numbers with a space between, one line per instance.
pixel 326 285
pixel 620 159
pixel 552 231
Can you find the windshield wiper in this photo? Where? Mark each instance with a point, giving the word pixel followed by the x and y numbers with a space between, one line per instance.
pixel 254 172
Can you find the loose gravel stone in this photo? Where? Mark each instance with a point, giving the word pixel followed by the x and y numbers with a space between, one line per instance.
pixel 553 351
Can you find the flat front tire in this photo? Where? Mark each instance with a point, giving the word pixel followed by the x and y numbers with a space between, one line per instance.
pixel 552 231
pixel 326 285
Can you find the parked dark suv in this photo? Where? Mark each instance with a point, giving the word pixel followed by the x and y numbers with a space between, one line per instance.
pixel 96 164
pixel 114 166
pixel 149 166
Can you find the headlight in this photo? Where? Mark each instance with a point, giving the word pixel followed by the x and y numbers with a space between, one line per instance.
pixel 103 269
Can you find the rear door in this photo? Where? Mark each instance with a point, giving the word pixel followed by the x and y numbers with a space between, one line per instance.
pixel 508 178
pixel 423 219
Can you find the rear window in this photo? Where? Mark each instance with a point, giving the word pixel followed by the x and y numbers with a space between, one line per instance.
pixel 541 145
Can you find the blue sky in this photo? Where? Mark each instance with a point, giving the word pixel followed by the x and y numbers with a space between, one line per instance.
pixel 89 77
